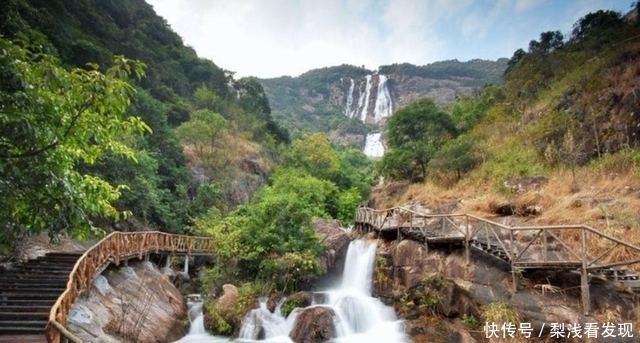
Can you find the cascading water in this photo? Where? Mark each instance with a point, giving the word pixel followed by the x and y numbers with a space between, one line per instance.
pixel 365 105
pixel 373 145
pixel 348 111
pixel 359 318
pixel 384 105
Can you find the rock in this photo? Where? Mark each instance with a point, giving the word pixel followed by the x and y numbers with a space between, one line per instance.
pixel 314 325
pixel 488 280
pixel 229 296
pixel 296 300
pixel 524 184
pixel 337 240
pixel 135 303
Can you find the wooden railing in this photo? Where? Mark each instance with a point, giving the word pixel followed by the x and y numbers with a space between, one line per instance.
pixel 112 249
pixel 578 247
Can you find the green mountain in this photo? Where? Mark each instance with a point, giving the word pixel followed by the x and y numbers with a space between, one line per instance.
pixel 348 101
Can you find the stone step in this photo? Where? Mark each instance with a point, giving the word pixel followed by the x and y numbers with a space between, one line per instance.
pixel 28 308
pixel 20 282
pixel 19 327
pixel 22 316
pixel 8 296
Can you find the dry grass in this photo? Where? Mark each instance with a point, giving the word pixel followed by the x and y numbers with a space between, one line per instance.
pixel 606 198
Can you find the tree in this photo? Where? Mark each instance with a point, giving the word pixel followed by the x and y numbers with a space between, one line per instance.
pixel 202 131
pixel 455 157
pixel 51 120
pixel 416 133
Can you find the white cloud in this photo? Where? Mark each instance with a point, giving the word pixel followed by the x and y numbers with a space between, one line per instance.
pixel 288 37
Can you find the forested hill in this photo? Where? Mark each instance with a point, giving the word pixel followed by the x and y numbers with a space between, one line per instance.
pixel 184 99
pixel 333 99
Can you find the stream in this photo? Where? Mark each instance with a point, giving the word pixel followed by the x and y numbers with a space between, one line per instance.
pixel 360 318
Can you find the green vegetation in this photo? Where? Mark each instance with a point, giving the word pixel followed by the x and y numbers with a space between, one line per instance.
pixel 564 103
pixel 416 133
pixel 52 120
pixel 270 239
pixel 103 166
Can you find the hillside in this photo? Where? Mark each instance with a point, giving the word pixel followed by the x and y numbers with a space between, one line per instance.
pixel 556 144
pixel 348 102
pixel 207 132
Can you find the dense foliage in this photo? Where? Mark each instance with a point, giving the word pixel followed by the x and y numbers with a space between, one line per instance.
pixel 271 239
pixel 51 120
pixel 160 189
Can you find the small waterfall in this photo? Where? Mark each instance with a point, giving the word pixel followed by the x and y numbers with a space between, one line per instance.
pixel 373 145
pixel 384 105
pixel 197 333
pixel 348 111
pixel 365 105
pixel 359 318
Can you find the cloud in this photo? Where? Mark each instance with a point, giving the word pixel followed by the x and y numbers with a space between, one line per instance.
pixel 288 37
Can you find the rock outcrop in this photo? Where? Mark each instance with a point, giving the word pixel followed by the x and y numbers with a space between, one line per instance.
pixel 419 283
pixel 314 325
pixel 337 242
pixel 135 303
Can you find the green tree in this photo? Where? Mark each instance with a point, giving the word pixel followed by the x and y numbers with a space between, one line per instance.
pixel 52 119
pixel 455 157
pixel 416 133
pixel 202 131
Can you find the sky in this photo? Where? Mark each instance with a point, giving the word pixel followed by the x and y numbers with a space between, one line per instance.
pixel 270 38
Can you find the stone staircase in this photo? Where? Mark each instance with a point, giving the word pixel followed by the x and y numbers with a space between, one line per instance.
pixel 27 293
pixel 622 275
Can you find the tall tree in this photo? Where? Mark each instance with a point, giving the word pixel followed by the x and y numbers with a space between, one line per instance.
pixel 416 133
pixel 51 120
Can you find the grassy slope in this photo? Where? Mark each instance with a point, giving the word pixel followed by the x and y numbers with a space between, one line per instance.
pixel 602 191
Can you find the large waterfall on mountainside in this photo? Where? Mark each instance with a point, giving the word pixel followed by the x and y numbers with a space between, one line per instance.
pixel 382 108
pixel 359 318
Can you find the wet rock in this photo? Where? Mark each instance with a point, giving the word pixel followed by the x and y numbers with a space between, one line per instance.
pixel 314 325
pixel 296 300
pixel 337 241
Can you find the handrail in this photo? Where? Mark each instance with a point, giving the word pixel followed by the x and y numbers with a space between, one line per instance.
pixel 376 218
pixel 112 249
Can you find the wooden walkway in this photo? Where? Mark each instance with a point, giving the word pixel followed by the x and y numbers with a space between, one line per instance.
pixel 115 248
pixel 560 247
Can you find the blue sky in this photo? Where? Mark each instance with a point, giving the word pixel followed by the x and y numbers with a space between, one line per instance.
pixel 269 38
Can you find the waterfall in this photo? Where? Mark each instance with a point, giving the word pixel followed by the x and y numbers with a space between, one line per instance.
pixel 365 105
pixel 348 112
pixel 359 318
pixel 373 145
pixel 197 333
pixel 384 105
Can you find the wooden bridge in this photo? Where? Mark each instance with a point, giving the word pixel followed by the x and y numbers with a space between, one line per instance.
pixel 113 249
pixel 559 247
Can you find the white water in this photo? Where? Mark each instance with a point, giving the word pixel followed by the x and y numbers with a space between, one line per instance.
pixel 365 105
pixel 348 111
pixel 359 318
pixel 373 145
pixel 384 105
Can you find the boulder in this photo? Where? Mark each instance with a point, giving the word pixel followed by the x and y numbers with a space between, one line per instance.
pixel 296 300
pixel 134 303
pixel 314 325
pixel 229 296
pixel 336 239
